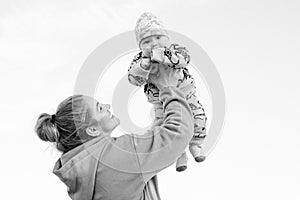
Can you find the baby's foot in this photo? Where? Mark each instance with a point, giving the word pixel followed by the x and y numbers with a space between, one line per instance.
pixel 200 158
pixel 197 153
pixel 181 163
pixel 181 168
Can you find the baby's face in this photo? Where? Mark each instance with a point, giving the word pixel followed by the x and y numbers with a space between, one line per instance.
pixel 154 41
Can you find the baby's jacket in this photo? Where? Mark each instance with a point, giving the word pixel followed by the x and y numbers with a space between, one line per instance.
pixel 176 56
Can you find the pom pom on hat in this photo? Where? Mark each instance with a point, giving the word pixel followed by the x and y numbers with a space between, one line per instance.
pixel 148 25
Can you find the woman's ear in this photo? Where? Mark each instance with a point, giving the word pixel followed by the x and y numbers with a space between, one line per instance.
pixel 93 131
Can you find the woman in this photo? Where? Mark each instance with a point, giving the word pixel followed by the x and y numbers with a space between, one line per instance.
pixel 96 166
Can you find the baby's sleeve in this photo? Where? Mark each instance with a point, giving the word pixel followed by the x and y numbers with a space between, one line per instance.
pixel 136 74
pixel 177 56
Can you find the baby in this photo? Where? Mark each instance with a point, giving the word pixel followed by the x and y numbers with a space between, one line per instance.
pixel 157 50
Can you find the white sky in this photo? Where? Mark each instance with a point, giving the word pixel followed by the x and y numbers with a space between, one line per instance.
pixel 254 44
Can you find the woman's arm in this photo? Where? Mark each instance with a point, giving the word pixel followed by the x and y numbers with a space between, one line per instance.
pixel 162 145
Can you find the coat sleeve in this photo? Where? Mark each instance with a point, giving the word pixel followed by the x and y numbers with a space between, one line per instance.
pixel 136 74
pixel 162 145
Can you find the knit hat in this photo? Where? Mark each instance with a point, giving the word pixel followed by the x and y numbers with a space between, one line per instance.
pixel 148 25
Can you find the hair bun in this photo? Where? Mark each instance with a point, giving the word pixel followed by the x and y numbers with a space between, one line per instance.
pixel 45 128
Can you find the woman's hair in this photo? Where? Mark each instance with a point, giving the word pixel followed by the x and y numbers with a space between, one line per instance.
pixel 65 128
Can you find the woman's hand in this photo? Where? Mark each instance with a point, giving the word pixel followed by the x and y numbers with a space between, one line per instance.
pixel 167 76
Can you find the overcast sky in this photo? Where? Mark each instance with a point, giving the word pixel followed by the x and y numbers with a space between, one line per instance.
pixel 254 45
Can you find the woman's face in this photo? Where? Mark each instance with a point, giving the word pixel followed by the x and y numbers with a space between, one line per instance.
pixel 103 117
pixel 154 41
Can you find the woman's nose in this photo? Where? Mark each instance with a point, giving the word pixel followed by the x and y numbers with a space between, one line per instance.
pixel 105 106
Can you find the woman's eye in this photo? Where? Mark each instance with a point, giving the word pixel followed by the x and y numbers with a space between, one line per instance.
pixel 157 37
pixel 99 107
pixel 146 42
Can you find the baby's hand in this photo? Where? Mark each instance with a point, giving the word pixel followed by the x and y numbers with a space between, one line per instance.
pixel 154 68
pixel 158 54
pixel 145 64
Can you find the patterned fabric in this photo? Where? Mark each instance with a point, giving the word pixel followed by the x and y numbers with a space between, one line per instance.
pixel 152 93
pixel 148 25
pixel 186 83
pixel 180 52
pixel 139 77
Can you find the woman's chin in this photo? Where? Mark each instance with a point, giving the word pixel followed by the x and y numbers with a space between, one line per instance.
pixel 116 121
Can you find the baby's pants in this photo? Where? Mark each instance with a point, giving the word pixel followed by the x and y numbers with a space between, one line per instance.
pixel 187 85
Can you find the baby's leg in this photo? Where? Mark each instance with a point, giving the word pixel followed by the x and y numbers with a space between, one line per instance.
pixel 195 145
pixel 152 93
